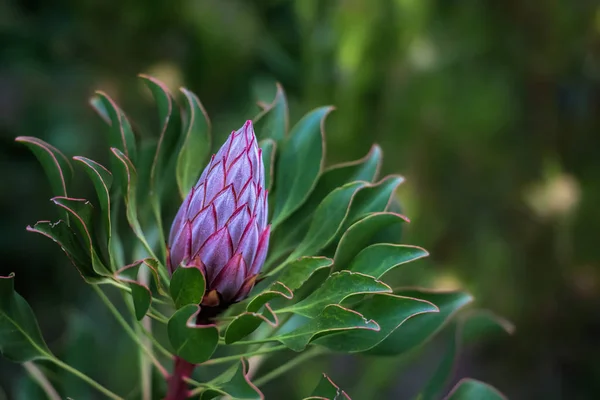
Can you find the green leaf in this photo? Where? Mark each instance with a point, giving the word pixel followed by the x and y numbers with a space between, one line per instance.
pixel 373 198
pixel 328 220
pixel 471 389
pixel 55 164
pixel 360 235
pixel 194 343
pixel 121 135
pixel 187 286
pixel 295 274
pixel 195 147
pixel 246 323
pixel 140 292
pixel 326 389
pixel 294 229
pixel 269 148
pixel 20 336
pixel 388 310
pixel 272 122
pixel 470 327
pixel 81 211
pixel 334 318
pixel 234 384
pixel 378 259
pixel 416 331
pixel 339 286
pixel 300 164
pixel 102 180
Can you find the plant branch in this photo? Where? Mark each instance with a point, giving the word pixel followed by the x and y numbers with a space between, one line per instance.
pixel 245 355
pixel 314 352
pixel 85 378
pixel 41 380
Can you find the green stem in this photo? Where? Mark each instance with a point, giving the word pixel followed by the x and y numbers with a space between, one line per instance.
pixel 38 376
pixel 157 344
pixel 129 330
pixel 314 352
pixel 85 378
pixel 158 318
pixel 249 354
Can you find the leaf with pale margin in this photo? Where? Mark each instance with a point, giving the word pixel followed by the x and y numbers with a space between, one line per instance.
pixel 234 383
pixel 388 310
pixel 338 287
pixel 334 318
pixel 81 212
pixel 294 229
pixel 326 389
pixel 295 274
pixel 269 148
pixel 20 336
pixel 121 135
pixel 55 164
pixel 360 235
pixel 300 164
pixel 416 331
pixel 247 322
pixel 194 343
pixel 377 259
pixel 187 286
pixel 140 292
pixel 196 143
pixel 328 220
pixel 272 122
pixel 471 389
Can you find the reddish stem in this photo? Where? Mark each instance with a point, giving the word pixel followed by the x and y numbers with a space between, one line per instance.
pixel 177 386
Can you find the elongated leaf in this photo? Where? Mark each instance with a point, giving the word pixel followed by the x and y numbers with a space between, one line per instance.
pixel 195 147
pixel 121 135
pixel 378 259
pixel 268 147
pixel 20 336
pixel 102 180
pixel 80 211
pixel 471 389
pixel 326 389
pixel 339 286
pixel 272 122
pixel 187 286
pixel 61 234
pixel 420 329
pixel 390 311
pixel 294 229
pixel 55 164
pixel 334 318
pixel 194 343
pixel 140 291
pixel 360 235
pixel 328 220
pixel 373 198
pixel 246 323
pixel 234 384
pixel 295 274
pixel 300 164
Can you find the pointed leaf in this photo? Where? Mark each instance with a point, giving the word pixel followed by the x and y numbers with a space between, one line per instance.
pixel 194 343
pixel 420 329
pixel 326 389
pixel 300 164
pixel 62 234
pixel 269 148
pixel 471 389
pixel 246 323
pixel 195 147
pixel 360 235
pixel 378 259
pixel 80 211
pixel 339 286
pixel 121 135
pixel 328 220
pixel 390 311
pixel 272 122
pixel 187 286
pixel 140 292
pixel 20 336
pixel 234 384
pixel 334 318
pixel 55 164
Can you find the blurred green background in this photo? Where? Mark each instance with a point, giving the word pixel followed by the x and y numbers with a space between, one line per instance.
pixel 491 110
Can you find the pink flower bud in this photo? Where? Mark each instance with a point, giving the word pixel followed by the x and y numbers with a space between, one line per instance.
pixel 221 227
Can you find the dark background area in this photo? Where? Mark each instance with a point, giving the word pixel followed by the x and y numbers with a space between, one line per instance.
pixel 491 110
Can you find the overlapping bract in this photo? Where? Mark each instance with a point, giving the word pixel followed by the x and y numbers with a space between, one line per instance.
pixel 221 227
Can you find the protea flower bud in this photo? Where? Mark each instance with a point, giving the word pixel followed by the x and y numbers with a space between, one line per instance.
pixel 221 226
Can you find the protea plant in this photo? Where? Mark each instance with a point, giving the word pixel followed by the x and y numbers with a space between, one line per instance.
pixel 271 251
